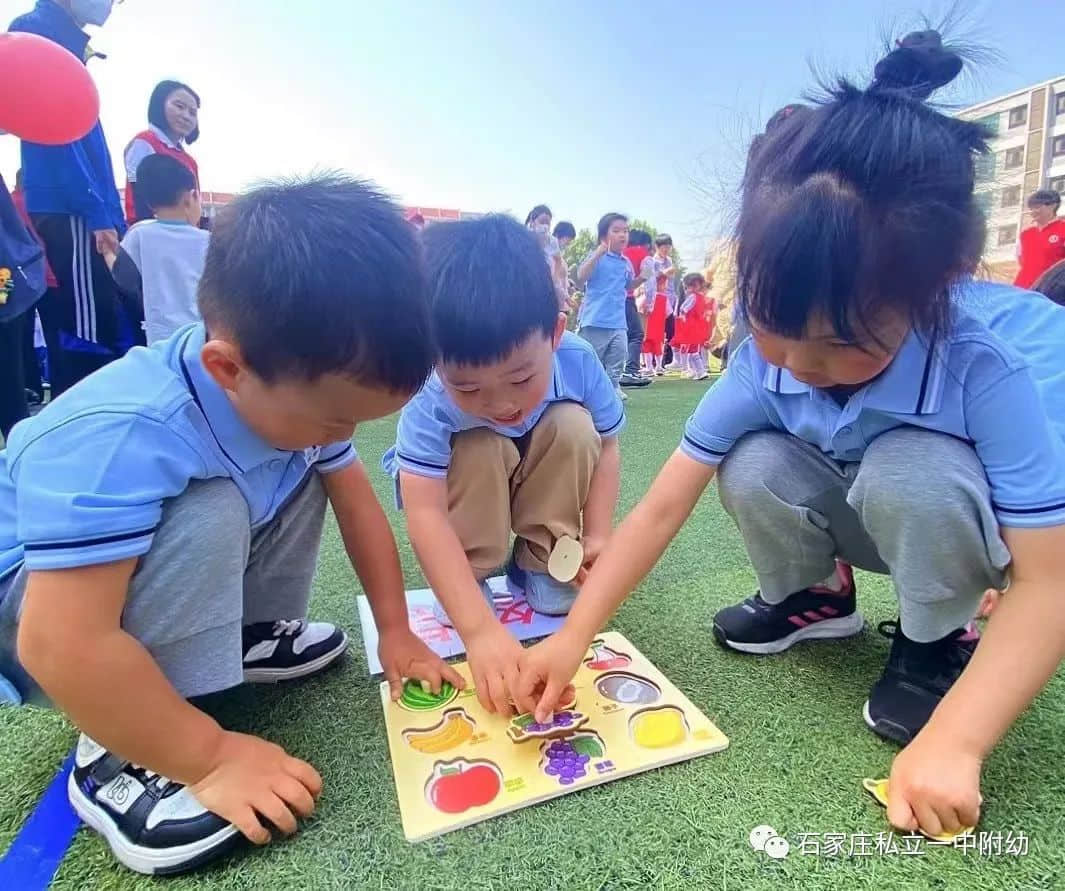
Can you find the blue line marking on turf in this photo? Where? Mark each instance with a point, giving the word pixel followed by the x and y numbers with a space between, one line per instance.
pixel 42 842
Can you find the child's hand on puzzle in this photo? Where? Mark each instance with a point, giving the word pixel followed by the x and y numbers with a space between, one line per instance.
pixel 252 780
pixel 405 655
pixel 546 671
pixel 934 787
pixel 494 655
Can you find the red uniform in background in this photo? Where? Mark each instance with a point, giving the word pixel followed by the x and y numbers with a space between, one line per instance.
pixel 1041 248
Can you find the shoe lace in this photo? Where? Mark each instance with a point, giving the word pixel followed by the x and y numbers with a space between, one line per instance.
pixel 151 777
pixel 287 627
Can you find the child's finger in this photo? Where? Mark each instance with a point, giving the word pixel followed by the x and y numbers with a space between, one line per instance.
pixel 480 686
pixel 452 677
pixel 247 821
pixel 927 818
pixel 302 771
pixel 523 704
pixel 969 813
pixel 430 674
pixel 900 814
pixel 395 683
pixel 549 699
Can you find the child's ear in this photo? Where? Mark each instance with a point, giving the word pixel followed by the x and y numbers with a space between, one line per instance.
pixel 560 329
pixel 224 362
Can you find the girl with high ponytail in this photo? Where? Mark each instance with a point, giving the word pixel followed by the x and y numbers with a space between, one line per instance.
pixel 889 412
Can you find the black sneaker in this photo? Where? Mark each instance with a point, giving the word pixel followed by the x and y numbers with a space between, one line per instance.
pixel 153 825
pixel 634 381
pixel 915 679
pixel 289 649
pixel 755 626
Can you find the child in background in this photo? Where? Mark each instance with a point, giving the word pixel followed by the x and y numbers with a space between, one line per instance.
pixel 538 221
pixel 160 261
pixel 516 430
pixel 606 275
pixel 660 294
pixel 696 330
pixel 1052 283
pixel 170 508
pixel 888 411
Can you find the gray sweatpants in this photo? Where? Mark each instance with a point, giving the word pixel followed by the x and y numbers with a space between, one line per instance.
pixel 206 576
pixel 917 507
pixel 611 346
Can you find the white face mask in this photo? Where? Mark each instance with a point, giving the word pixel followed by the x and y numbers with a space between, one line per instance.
pixel 91 12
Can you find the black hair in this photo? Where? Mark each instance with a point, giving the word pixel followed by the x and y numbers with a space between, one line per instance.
pixel 157 106
pixel 537 211
pixel 693 278
pixel 1052 283
pixel 320 276
pixel 663 240
pixel 862 203
pixel 489 289
pixel 637 238
pixel 162 181
pixel 1045 196
pixel 607 220
pixel 564 229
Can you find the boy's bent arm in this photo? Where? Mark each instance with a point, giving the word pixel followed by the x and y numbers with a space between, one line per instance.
pixel 372 549
pixel 493 652
pixel 602 500
pixel 71 641
pixel 585 270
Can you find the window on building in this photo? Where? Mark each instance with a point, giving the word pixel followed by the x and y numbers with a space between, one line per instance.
pixel 1058 146
pixel 1014 157
pixel 991 122
pixel 1018 116
pixel 1011 196
pixel 1007 235
pixel 1059 104
pixel 1057 183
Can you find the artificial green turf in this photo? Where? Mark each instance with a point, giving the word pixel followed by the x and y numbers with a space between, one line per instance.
pixel 799 750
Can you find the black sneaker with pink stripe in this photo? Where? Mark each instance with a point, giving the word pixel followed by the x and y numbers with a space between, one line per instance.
pixel 755 626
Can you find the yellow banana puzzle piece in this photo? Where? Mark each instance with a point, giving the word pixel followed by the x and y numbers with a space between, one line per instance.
pixel 879 790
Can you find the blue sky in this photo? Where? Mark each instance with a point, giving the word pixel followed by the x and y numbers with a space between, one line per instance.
pixel 489 105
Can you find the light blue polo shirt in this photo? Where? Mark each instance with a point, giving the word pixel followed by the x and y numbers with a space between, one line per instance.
pixel 85 480
pixel 431 418
pixel 603 305
pixel 996 381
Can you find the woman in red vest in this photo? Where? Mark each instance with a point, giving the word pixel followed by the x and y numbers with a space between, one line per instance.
pixel 173 115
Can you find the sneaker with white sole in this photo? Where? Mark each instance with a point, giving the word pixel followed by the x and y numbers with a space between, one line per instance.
pixel 152 825
pixel 290 649
pixel 755 626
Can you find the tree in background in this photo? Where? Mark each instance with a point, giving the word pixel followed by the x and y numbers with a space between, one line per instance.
pixel 586 241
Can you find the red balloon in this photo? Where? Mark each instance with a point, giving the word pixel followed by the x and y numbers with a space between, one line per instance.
pixel 46 94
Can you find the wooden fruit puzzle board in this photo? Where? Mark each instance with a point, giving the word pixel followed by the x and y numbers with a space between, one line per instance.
pixel 456 764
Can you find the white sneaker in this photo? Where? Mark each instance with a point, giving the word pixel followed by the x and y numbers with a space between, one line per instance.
pixel 289 649
pixel 152 825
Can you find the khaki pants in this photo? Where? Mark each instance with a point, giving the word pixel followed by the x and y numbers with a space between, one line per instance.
pixel 535 485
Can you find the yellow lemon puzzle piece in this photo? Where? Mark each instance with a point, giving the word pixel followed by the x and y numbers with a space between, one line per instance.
pixel 659 728
pixel 879 790
pixel 565 560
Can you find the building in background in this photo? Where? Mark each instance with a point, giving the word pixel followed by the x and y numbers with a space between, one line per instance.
pixel 1027 153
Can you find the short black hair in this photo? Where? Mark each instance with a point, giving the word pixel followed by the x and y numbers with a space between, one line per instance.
pixel 637 238
pixel 836 195
pixel 664 240
pixel 694 278
pixel 162 180
pixel 607 220
pixel 157 105
pixel 537 211
pixel 1052 283
pixel 564 229
pixel 489 289
pixel 1045 196
pixel 320 275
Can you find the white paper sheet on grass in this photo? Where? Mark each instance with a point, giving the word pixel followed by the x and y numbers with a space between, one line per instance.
pixel 514 613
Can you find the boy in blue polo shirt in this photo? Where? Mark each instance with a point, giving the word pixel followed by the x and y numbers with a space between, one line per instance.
pixel 516 429
pixel 606 275
pixel 159 523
